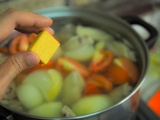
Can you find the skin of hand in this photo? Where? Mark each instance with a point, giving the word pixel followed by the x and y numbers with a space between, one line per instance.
pixel 25 22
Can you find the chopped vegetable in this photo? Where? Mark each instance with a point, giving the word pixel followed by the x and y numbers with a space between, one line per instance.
pixel 120 92
pixel 19 43
pixel 67 65
pixel 84 53
pixel 120 49
pixel 95 33
pixel 130 68
pixel 50 109
pixel 91 104
pixel 48 82
pixel 116 73
pixel 101 82
pixel 49 65
pixel 31 37
pixel 29 96
pixel 101 60
pixel 72 88
pixel 91 89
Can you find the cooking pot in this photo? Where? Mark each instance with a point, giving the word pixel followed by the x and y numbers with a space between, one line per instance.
pixel 124 109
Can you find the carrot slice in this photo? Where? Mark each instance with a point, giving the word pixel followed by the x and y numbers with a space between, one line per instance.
pixel 13 46
pixel 130 68
pixel 66 65
pixel 117 74
pixel 100 81
pixel 31 37
pixel 49 65
pixel 91 89
pixel 23 44
pixel 4 49
pixel 101 60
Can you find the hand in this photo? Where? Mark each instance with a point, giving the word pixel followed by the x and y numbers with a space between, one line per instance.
pixel 27 23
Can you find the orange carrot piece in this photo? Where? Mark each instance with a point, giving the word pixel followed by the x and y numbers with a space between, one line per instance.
pixel 31 37
pixel 101 60
pixel 117 74
pixel 154 103
pixel 49 65
pixel 100 81
pixel 4 50
pixel 13 47
pixel 91 89
pixel 66 65
pixel 23 44
pixel 130 68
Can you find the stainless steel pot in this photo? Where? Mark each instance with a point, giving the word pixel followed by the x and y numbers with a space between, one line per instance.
pixel 124 109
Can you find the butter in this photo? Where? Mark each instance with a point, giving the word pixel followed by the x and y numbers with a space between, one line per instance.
pixel 44 45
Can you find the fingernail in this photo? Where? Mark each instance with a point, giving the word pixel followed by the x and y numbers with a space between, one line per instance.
pixel 50 30
pixel 32 59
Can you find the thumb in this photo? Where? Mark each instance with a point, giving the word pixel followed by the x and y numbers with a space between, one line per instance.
pixel 13 66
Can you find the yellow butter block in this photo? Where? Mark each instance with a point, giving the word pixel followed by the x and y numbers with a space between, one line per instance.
pixel 44 45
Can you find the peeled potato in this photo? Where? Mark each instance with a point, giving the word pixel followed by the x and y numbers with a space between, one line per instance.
pixel 29 95
pixel 84 53
pixel 91 104
pixel 48 82
pixel 51 109
pixel 72 88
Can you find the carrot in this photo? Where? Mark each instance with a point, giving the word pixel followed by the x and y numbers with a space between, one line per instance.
pixel 23 44
pixel 49 65
pixel 100 81
pixel 66 65
pixel 13 46
pixel 117 74
pixel 4 50
pixel 130 68
pixel 101 60
pixel 91 89
pixel 31 37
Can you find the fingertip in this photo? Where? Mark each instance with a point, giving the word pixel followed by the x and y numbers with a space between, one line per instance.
pixel 32 58
pixel 50 30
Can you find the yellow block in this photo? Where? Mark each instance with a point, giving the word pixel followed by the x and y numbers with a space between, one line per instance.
pixel 44 45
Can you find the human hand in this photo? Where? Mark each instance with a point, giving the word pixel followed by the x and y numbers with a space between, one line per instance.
pixel 27 23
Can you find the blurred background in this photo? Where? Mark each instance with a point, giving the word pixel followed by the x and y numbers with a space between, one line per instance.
pixel 148 10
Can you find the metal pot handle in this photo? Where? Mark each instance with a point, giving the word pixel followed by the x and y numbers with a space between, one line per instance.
pixel 151 40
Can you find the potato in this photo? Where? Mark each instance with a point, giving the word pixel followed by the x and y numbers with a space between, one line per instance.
pixel 29 95
pixel 72 88
pixel 91 104
pixel 50 109
pixel 48 82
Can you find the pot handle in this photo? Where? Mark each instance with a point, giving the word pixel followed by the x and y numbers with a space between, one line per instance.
pixel 151 40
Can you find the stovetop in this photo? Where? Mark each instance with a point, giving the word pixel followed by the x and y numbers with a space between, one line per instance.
pixel 143 113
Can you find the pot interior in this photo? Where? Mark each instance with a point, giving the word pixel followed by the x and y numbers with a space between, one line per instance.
pixel 119 49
